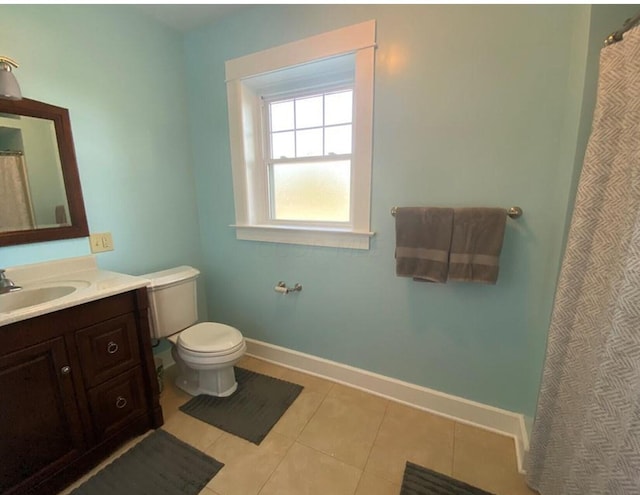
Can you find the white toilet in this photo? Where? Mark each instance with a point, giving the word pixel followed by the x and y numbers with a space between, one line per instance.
pixel 204 352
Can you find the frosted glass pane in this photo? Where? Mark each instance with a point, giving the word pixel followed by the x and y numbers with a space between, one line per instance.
pixel 312 191
pixel 309 112
pixel 309 143
pixel 337 140
pixel 338 108
pixel 281 116
pixel 283 145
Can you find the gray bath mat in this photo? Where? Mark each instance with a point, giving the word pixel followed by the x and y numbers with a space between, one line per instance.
pixel 159 464
pixel 418 480
pixel 251 411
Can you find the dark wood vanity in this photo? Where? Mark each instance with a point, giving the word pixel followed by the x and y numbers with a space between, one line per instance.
pixel 75 384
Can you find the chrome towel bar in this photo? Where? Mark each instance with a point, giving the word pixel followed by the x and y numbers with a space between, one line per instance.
pixel 513 212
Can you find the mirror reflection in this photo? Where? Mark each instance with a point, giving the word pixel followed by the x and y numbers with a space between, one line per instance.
pixel 32 189
pixel 40 192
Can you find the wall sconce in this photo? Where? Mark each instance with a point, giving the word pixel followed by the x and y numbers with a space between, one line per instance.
pixel 9 89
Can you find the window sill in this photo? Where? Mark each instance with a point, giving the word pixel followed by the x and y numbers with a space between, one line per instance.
pixel 347 239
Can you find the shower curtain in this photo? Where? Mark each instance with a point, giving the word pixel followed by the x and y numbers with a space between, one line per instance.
pixel 586 435
pixel 15 204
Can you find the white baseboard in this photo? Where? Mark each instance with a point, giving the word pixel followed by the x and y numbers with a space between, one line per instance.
pixel 456 408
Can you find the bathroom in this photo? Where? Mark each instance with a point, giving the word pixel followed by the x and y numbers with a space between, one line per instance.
pixel 474 105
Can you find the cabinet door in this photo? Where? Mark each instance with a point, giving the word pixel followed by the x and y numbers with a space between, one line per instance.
pixel 40 429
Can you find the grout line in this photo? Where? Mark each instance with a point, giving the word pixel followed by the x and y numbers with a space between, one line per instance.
pixel 324 398
pixel 275 468
pixel 384 416
pixel 315 411
pixel 295 440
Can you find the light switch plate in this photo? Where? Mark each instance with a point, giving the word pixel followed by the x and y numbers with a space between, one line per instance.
pixel 101 242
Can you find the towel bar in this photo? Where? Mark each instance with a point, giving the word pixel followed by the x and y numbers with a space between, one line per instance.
pixel 513 212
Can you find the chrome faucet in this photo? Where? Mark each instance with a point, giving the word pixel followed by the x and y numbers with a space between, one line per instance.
pixel 6 284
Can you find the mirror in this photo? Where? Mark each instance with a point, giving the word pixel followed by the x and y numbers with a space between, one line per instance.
pixel 40 193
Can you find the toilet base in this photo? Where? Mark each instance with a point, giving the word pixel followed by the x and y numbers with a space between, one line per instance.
pixel 203 384
pixel 217 380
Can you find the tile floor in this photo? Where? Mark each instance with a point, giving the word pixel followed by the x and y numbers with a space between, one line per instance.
pixel 337 440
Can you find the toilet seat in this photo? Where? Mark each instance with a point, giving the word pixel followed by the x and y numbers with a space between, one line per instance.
pixel 212 339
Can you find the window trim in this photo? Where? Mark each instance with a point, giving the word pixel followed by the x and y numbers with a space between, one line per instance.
pixel 246 133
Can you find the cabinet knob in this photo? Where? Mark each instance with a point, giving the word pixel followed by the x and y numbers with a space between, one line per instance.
pixel 112 347
pixel 65 370
pixel 121 402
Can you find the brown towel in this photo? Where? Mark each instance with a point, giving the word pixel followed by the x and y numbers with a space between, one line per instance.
pixel 476 243
pixel 61 215
pixel 423 238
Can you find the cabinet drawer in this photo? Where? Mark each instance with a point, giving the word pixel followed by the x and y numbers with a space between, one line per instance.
pixel 108 348
pixel 116 402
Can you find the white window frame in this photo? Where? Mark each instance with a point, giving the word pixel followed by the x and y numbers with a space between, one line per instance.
pixel 269 161
pixel 248 79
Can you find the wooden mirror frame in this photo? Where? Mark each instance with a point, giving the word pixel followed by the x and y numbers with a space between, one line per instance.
pixel 78 218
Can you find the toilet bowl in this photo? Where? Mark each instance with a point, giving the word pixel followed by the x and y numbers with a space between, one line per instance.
pixel 205 352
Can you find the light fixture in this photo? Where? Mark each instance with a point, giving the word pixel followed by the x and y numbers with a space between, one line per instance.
pixel 9 89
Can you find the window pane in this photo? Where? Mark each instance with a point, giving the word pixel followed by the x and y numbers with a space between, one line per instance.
pixel 309 112
pixel 312 191
pixel 337 140
pixel 338 108
pixel 309 143
pixel 283 145
pixel 281 116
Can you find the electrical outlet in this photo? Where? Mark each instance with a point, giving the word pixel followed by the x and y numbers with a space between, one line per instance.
pixel 101 242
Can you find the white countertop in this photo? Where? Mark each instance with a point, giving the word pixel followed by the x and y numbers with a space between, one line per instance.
pixel 92 283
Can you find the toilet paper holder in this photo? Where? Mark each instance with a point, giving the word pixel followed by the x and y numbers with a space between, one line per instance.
pixel 282 288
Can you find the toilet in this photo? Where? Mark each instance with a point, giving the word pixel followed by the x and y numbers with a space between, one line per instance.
pixel 205 353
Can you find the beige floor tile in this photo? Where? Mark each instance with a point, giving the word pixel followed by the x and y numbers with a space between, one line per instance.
pixel 305 471
pixel 208 491
pixel 171 400
pixel 262 367
pixel 298 414
pixel 309 382
pixel 246 466
pixel 192 431
pixel 487 460
pixel 344 429
pixel 334 418
pixel 408 434
pixel 358 397
pixel 370 484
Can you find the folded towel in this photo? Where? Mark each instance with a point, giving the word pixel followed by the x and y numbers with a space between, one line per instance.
pixel 423 238
pixel 476 243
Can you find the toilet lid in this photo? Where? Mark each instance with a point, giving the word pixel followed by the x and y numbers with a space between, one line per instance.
pixel 210 337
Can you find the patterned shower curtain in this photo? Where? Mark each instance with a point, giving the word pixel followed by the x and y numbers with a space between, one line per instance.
pixel 586 435
pixel 15 204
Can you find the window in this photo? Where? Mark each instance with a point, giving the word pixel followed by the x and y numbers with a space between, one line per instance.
pixel 308 156
pixel 300 119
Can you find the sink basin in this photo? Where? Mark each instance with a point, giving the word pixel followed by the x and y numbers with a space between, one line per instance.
pixel 32 296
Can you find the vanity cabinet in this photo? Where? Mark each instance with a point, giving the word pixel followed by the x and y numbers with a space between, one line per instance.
pixel 74 385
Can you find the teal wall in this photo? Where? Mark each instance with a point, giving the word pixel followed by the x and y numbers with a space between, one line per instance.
pixel 474 105
pixel 121 77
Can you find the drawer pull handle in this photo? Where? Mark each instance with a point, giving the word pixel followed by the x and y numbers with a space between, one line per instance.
pixel 112 347
pixel 65 370
pixel 121 402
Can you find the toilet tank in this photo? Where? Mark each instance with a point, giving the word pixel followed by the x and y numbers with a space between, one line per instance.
pixel 173 300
